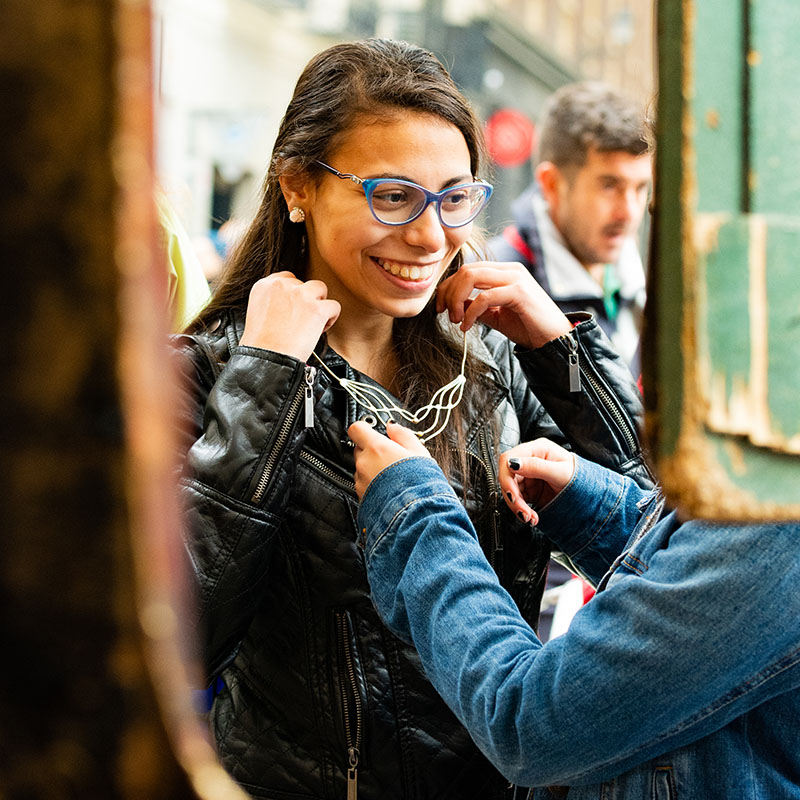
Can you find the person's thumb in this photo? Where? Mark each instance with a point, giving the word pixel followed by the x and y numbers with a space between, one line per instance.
pixel 361 432
pixel 406 438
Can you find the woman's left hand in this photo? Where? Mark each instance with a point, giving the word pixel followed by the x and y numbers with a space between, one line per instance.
pixel 374 451
pixel 532 474
pixel 508 298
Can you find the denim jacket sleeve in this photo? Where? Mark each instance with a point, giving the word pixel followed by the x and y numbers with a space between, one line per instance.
pixel 593 518
pixel 695 629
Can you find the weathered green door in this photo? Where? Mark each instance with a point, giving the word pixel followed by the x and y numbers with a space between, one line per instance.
pixel 722 373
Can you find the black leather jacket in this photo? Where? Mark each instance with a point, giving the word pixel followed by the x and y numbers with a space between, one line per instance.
pixel 319 697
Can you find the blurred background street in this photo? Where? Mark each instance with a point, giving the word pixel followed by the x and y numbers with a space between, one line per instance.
pixel 225 70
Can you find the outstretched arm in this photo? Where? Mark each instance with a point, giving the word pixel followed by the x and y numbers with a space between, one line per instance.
pixel 531 474
pixel 668 650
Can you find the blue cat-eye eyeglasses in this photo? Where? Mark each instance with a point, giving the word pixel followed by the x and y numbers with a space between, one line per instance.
pixel 397 202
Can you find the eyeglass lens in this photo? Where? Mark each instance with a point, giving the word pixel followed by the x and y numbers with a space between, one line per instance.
pixel 400 202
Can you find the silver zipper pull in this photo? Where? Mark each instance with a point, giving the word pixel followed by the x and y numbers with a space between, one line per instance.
pixel 574 367
pixel 352 775
pixel 309 399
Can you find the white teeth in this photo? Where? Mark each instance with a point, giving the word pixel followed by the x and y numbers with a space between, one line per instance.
pixel 412 273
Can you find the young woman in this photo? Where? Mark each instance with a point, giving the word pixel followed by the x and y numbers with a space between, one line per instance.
pixel 347 297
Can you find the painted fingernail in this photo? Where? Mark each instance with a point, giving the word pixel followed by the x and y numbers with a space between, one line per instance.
pixel 509 496
pixel 514 463
pixel 522 516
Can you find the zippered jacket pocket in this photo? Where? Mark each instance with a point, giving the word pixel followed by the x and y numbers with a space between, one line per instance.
pixel 228 540
pixel 336 476
pixel 258 396
pixel 350 699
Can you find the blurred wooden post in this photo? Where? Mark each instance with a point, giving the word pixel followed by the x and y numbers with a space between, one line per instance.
pixel 721 378
pixel 89 583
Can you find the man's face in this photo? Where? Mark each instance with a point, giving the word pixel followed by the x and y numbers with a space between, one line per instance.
pixel 597 206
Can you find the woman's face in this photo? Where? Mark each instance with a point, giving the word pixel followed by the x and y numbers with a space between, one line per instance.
pixel 369 267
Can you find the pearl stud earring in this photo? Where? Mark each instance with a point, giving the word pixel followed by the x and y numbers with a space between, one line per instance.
pixel 297 214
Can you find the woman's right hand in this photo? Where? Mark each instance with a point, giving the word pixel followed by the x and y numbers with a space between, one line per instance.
pixel 532 474
pixel 374 451
pixel 287 315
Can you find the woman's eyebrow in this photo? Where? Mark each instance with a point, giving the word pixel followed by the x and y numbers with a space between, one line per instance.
pixel 465 178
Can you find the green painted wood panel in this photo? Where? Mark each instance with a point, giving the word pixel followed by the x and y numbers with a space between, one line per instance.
pixel 723 388
pixel 748 325
pixel 724 271
pixel 718 103
pixel 774 66
pixel 783 297
pixel 755 472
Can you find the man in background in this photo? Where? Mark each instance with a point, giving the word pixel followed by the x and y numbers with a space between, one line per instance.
pixel 574 227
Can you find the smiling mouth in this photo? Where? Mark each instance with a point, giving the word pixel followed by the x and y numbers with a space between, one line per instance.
pixel 409 272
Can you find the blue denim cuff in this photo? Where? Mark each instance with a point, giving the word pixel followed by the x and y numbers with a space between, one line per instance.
pixel 579 513
pixel 393 489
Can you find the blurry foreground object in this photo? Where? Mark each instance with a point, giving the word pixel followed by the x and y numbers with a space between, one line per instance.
pixel 721 376
pixel 94 701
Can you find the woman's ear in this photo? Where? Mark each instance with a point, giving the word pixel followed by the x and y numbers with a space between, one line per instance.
pixel 298 190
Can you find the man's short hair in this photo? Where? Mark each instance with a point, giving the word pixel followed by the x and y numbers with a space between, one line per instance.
pixel 585 115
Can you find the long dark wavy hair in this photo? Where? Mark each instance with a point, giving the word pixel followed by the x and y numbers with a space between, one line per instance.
pixel 340 88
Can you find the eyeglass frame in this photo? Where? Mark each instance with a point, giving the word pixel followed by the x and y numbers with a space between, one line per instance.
pixel 370 184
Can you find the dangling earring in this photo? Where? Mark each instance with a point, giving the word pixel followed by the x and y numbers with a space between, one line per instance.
pixel 297 214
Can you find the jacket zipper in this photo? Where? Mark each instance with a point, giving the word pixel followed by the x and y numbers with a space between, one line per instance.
pixel 579 369
pixel 494 489
pixel 351 703
pixel 328 472
pixel 483 459
pixel 302 396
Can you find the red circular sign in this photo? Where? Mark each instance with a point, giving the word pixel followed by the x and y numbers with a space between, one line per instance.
pixel 509 137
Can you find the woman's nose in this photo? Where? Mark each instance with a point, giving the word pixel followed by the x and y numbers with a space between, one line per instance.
pixel 426 231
